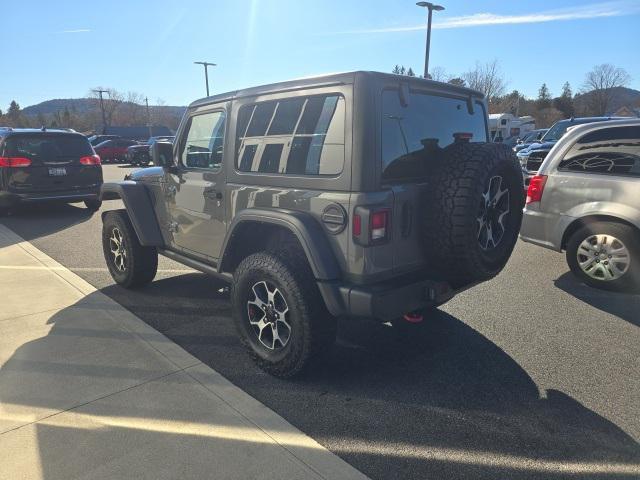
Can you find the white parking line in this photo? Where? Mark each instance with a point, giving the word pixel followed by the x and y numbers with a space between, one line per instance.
pixel 85 269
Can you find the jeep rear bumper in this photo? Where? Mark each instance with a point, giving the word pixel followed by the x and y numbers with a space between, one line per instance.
pixel 384 301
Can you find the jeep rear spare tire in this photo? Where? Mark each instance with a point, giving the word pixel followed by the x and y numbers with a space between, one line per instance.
pixel 473 211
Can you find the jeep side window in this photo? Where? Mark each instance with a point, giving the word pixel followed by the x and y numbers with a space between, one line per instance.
pixel 614 150
pixel 414 135
pixel 204 141
pixel 298 136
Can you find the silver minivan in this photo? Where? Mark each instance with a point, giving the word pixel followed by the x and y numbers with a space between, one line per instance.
pixel 585 200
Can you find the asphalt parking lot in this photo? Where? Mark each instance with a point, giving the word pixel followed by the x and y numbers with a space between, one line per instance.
pixel 531 375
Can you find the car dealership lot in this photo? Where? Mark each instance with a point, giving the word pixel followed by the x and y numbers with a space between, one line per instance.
pixel 530 375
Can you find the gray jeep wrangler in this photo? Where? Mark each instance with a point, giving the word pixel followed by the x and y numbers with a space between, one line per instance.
pixel 350 195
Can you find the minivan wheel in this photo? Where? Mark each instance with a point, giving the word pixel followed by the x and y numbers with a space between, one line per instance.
pixel 279 313
pixel 93 205
pixel 130 264
pixel 605 255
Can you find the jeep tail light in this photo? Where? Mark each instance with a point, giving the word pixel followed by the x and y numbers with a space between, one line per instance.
pixel 90 160
pixel 536 188
pixel 14 162
pixel 371 225
pixel 357 225
pixel 379 222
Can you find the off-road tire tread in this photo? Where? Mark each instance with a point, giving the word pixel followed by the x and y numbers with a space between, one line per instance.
pixel 451 203
pixel 297 280
pixel 143 260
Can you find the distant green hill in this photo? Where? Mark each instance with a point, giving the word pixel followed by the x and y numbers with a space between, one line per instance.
pixel 84 105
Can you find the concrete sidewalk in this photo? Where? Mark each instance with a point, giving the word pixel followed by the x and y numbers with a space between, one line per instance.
pixel 89 390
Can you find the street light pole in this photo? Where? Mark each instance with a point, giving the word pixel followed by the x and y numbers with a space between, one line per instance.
pixel 206 73
pixel 431 7
pixel 104 118
pixel 146 101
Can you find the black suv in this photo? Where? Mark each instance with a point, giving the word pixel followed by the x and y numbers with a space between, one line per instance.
pixel 47 165
pixel 351 195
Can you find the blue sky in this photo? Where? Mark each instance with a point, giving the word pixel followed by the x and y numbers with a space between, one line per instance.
pixel 54 49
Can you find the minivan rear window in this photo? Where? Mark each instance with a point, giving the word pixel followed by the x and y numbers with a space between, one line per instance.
pixel 47 147
pixel 414 135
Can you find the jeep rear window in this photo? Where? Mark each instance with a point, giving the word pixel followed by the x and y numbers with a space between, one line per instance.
pixel 47 147
pixel 414 135
pixel 295 136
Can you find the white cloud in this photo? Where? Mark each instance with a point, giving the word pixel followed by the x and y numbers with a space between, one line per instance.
pixel 597 10
pixel 79 30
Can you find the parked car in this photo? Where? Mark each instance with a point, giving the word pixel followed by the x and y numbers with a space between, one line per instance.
pixel 282 191
pixel 47 165
pixel 529 139
pixel 532 157
pixel 140 154
pixel 97 139
pixel 584 200
pixel 114 150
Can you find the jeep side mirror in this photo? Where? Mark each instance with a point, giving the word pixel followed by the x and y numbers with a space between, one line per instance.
pixel 162 154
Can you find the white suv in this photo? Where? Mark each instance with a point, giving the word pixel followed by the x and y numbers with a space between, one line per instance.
pixel 585 199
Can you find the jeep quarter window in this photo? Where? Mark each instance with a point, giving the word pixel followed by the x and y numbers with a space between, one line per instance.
pixel 614 151
pixel 296 136
pixel 202 147
pixel 414 135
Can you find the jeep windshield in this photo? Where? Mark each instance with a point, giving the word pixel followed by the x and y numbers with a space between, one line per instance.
pixel 414 135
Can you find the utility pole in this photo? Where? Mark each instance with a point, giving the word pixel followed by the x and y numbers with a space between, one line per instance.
pixel 104 119
pixel 146 101
pixel 206 73
pixel 431 7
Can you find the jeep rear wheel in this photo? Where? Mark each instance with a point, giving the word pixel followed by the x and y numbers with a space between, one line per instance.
pixel 130 264
pixel 279 313
pixel 473 211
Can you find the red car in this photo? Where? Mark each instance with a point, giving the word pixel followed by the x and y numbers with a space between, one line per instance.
pixel 114 150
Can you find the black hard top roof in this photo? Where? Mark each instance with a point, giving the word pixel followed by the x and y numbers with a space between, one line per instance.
pixel 328 80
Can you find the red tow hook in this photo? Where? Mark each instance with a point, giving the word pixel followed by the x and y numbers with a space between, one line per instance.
pixel 413 317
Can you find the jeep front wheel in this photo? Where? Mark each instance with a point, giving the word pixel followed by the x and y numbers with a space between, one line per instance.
pixel 130 264
pixel 279 313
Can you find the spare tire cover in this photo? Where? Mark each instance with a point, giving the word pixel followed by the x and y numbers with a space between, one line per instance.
pixel 472 211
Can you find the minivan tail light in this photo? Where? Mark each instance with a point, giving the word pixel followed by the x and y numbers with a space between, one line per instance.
pixel 536 188
pixel 90 160
pixel 14 162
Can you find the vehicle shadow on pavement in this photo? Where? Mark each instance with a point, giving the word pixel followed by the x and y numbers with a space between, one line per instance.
pixel 622 305
pixel 46 218
pixel 444 402
pixel 81 396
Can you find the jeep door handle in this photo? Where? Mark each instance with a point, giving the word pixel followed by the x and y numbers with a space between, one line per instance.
pixel 213 194
pixel 171 190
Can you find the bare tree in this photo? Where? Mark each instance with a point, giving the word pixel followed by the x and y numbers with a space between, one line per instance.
pixel 112 101
pixel 488 79
pixel 439 74
pixel 599 84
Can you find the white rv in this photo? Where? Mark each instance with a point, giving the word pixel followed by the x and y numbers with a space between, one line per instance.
pixel 507 128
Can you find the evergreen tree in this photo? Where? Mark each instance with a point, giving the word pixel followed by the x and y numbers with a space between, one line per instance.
pixel 544 97
pixel 410 72
pixel 403 70
pixel 564 102
pixel 396 70
pixel 14 114
pixel 66 118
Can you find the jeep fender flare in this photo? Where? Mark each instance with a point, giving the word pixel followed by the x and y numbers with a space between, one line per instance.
pixel 139 207
pixel 303 226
